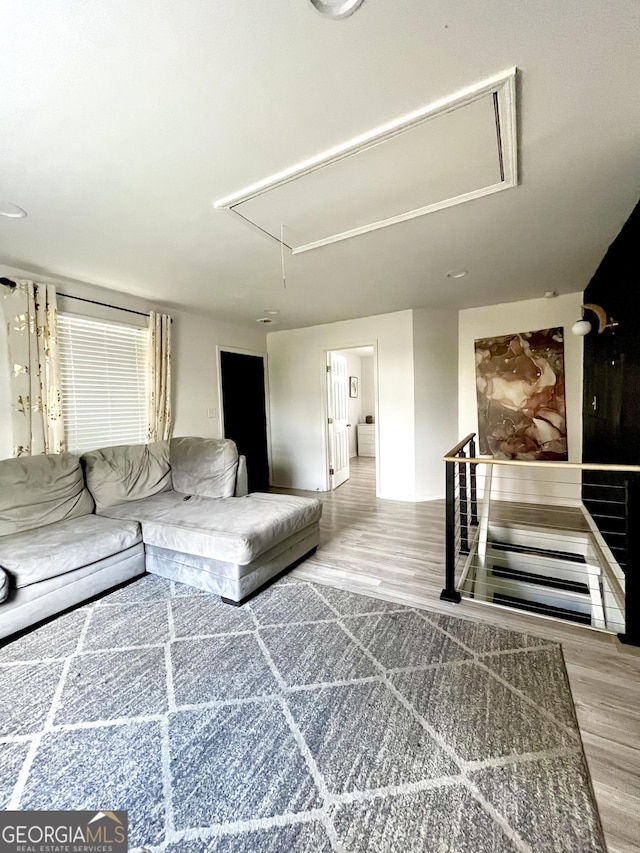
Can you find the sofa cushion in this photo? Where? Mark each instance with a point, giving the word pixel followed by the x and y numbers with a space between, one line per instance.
pixel 56 549
pixel 204 466
pixel 128 472
pixel 236 530
pixel 37 490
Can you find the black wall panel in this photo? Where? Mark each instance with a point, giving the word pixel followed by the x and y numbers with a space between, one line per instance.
pixel 611 400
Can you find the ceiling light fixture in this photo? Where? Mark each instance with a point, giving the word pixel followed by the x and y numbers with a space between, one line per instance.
pixel 264 320
pixel 550 294
pixel 457 273
pixel 273 313
pixel 582 327
pixel 11 210
pixel 336 9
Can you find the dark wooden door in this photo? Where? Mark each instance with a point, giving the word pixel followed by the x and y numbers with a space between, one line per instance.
pixel 244 409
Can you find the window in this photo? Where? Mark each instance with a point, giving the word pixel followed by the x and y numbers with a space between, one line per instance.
pixel 103 370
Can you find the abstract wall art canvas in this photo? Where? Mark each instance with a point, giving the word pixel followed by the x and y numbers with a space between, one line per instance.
pixel 521 395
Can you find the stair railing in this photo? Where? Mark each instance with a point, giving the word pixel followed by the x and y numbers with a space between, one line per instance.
pixel 480 580
pixel 607 580
pixel 462 509
pixel 632 574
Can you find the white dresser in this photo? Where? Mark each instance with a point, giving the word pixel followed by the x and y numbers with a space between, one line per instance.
pixel 366 439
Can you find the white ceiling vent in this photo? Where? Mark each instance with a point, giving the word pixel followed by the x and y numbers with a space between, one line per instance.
pixel 457 149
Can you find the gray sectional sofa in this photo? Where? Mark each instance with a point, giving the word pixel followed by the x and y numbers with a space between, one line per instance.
pixel 72 527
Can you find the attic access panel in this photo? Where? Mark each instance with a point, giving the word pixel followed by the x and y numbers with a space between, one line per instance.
pixel 458 149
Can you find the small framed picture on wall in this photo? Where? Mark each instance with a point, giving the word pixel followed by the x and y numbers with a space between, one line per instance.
pixel 353 386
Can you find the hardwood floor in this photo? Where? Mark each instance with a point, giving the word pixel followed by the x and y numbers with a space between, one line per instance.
pixel 395 551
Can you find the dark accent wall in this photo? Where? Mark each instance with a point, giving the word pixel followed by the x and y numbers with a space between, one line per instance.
pixel 611 401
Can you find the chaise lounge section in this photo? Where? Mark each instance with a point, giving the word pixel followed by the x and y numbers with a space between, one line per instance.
pixel 204 531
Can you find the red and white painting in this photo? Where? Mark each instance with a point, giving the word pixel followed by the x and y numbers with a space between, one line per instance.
pixel 521 395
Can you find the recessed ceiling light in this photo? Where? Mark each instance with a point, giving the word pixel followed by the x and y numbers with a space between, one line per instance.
pixel 457 273
pixel 550 294
pixel 336 8
pixel 11 210
pixel 273 312
pixel 264 320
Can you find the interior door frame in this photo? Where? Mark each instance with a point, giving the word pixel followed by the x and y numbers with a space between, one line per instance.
pixel 322 358
pixel 220 348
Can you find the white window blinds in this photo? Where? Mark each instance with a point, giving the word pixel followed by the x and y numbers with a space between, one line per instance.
pixel 104 382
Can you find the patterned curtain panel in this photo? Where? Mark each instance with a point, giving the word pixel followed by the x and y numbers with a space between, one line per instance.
pixel 37 421
pixel 159 393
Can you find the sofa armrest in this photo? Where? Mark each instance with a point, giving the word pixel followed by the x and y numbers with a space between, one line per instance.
pixel 242 484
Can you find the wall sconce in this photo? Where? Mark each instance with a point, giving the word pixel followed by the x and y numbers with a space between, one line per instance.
pixel 582 327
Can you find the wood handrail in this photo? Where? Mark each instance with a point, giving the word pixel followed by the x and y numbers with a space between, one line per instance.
pixel 459 446
pixel 538 463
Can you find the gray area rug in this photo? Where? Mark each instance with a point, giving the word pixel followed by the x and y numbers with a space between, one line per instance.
pixel 311 720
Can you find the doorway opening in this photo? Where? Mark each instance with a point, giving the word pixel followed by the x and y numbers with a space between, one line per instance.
pixel 351 405
pixel 244 411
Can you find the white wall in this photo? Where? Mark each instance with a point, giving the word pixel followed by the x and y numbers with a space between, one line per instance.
pixel 195 378
pixel 297 380
pixel 435 348
pixel 415 362
pixel 194 340
pixel 416 412
pixel 528 315
pixel 367 386
pixel 354 368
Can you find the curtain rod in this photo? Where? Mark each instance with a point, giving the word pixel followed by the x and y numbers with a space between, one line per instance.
pixel 104 304
pixel 9 283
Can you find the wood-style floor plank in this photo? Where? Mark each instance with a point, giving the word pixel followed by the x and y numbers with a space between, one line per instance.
pixel 395 551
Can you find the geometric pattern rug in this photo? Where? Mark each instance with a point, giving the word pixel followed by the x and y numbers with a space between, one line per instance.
pixel 311 719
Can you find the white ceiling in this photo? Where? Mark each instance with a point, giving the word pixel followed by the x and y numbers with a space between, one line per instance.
pixel 452 154
pixel 123 121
